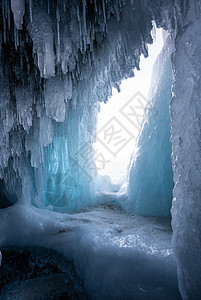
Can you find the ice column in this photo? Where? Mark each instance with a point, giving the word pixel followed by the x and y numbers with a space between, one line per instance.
pixel 186 141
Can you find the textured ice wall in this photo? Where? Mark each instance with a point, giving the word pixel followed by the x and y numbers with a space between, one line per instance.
pixel 151 176
pixel 186 125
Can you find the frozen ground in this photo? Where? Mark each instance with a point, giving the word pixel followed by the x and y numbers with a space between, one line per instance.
pixel 117 256
pixel 38 273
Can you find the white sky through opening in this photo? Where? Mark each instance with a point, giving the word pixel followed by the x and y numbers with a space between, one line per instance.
pixel 115 156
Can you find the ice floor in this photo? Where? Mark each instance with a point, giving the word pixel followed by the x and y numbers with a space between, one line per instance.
pixel 116 256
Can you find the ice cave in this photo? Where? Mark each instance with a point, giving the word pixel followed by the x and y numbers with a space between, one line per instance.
pixel 68 230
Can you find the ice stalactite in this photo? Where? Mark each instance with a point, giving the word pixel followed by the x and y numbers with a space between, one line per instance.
pixel 55 99
pixel 150 177
pixel 59 59
pixel 185 122
pixel 41 33
pixel 18 9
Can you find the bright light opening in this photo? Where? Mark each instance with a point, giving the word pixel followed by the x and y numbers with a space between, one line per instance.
pixel 116 129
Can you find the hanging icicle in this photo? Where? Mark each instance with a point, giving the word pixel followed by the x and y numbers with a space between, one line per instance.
pixel 30 10
pixel 18 10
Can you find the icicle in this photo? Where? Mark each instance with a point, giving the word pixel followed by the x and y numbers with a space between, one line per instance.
pixel 4 21
pixel 88 39
pixel 64 6
pixel 48 6
pixel 30 10
pixel 89 58
pixel 8 17
pixel 80 28
pixel 21 62
pixel 28 68
pixel 16 38
pixel 84 15
pixel 91 46
pixel 40 63
pixel 58 21
pixel 95 3
pixel 103 4
pixel 58 34
pixel 78 14
pixel 18 10
pixel 6 11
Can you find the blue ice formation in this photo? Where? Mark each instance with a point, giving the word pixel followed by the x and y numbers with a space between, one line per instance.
pixel 151 176
pixel 58 60
pixel 69 167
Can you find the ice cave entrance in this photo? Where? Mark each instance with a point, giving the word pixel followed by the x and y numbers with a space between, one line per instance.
pixel 119 121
